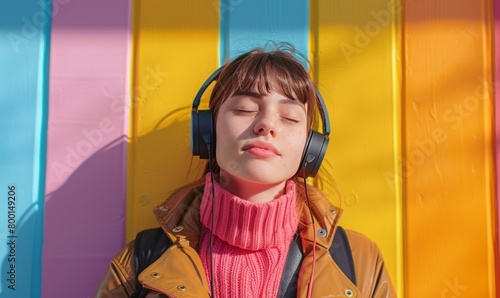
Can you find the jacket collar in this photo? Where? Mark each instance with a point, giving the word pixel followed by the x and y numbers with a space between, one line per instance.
pixel 179 215
pixel 325 214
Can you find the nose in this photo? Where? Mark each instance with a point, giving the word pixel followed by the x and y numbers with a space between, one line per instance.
pixel 265 125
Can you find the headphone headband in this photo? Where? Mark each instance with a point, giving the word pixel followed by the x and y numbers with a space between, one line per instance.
pixel 203 133
pixel 203 88
pixel 322 107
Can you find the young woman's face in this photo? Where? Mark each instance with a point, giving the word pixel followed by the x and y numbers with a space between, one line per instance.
pixel 260 139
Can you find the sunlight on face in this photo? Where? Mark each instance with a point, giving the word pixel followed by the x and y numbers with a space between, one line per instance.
pixel 260 139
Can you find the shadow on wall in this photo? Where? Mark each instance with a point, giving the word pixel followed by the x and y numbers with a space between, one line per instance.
pixel 84 221
pixel 159 163
pixel 85 217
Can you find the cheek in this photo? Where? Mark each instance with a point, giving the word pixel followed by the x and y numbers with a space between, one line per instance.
pixel 221 146
pixel 220 137
pixel 298 143
pixel 225 130
pixel 227 133
pixel 233 128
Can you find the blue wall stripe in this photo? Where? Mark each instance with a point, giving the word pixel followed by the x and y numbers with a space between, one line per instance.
pixel 24 62
pixel 249 24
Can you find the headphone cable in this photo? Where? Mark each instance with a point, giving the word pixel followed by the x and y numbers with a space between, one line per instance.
pixel 212 282
pixel 311 280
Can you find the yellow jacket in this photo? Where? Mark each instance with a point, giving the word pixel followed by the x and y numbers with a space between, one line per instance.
pixel 179 271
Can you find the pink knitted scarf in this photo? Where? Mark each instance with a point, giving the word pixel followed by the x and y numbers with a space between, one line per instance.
pixel 251 241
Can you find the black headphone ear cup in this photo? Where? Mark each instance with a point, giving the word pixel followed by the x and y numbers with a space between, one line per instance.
pixel 313 155
pixel 202 134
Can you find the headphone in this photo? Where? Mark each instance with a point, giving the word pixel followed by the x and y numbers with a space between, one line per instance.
pixel 203 134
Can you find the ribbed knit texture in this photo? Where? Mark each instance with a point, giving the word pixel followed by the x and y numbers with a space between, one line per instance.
pixel 250 242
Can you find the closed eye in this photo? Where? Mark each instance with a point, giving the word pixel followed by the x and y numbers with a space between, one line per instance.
pixel 240 111
pixel 291 120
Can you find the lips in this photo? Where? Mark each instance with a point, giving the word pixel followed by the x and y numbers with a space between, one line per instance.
pixel 261 149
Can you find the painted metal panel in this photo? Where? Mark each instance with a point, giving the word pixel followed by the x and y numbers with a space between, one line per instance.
pixel 24 48
pixel 87 135
pixel 357 54
pixel 175 49
pixel 448 162
pixel 249 24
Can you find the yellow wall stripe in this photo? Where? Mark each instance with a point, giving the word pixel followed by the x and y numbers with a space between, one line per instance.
pixel 175 50
pixel 356 50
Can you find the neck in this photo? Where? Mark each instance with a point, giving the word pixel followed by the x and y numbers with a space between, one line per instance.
pixel 255 192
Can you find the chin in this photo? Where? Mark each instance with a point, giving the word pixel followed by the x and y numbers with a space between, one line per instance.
pixel 264 179
pixel 253 175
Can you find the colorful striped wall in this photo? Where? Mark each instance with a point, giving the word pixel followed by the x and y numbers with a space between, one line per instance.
pixel 94 113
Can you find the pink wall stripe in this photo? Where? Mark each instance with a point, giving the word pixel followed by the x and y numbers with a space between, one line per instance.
pixel 86 159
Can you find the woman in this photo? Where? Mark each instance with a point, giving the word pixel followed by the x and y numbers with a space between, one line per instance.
pixel 239 243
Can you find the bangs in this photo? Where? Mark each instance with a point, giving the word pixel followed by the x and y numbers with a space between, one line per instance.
pixel 265 72
pixel 273 73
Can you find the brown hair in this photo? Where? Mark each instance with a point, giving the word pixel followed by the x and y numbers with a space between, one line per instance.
pixel 278 70
pixel 264 71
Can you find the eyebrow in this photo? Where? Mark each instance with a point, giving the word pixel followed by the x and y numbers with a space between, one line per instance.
pixel 283 101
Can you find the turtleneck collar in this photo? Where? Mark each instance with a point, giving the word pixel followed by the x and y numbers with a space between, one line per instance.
pixel 247 225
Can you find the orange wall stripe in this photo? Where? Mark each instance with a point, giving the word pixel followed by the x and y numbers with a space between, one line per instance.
pixel 448 161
